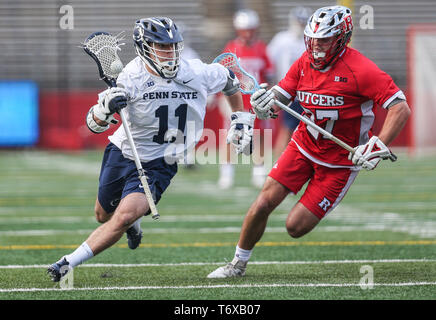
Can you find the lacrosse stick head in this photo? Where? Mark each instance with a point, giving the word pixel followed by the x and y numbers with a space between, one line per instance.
pixel 103 48
pixel 247 83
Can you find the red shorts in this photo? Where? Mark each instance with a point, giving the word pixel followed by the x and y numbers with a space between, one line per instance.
pixel 326 187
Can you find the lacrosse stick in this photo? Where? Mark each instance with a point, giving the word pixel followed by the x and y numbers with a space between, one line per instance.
pixel 249 85
pixel 103 47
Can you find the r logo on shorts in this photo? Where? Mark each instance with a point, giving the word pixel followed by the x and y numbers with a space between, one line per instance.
pixel 326 188
pixel 324 204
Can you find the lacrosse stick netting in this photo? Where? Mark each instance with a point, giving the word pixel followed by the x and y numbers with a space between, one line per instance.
pixel 247 83
pixel 103 48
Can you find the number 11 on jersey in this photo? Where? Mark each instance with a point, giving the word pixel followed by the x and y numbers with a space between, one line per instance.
pixel 162 114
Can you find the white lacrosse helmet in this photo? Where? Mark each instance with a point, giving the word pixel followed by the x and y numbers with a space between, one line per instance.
pixel 300 14
pixel 246 19
pixel 333 22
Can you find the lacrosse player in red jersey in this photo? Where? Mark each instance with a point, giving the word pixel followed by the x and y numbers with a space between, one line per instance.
pixel 163 95
pixel 254 59
pixel 338 89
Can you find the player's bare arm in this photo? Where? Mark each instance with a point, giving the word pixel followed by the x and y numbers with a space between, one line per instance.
pixel 396 119
pixel 235 102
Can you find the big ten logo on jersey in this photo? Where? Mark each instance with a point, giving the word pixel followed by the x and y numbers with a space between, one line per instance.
pixel 170 95
pixel 150 84
pixel 340 79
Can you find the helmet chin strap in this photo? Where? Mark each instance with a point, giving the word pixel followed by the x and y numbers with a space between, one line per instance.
pixel 150 68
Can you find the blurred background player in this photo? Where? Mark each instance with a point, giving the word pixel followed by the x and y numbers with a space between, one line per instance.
pixel 286 47
pixel 254 59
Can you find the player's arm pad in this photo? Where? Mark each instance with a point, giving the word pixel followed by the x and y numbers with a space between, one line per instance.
pixel 281 97
pixel 232 85
pixel 92 125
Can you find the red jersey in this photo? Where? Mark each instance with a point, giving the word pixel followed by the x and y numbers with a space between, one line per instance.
pixel 340 100
pixel 253 59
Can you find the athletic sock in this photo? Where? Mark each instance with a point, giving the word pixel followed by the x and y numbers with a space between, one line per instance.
pixel 227 170
pixel 137 225
pixel 242 254
pixel 80 255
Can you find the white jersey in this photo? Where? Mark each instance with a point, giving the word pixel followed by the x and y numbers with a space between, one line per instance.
pixel 189 53
pixel 166 117
pixel 284 49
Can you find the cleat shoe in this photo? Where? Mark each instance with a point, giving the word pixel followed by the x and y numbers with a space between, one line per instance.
pixel 133 237
pixel 236 268
pixel 58 270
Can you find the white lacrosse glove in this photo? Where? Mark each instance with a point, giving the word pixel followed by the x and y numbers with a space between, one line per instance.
pixel 369 155
pixel 110 101
pixel 262 102
pixel 241 132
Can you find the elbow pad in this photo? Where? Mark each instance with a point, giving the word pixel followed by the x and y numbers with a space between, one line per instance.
pixel 232 85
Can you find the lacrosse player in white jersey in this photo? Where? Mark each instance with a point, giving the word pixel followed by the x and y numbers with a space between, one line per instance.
pixel 165 99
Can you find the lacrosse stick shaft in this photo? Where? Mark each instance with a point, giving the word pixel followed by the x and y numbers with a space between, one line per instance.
pixel 154 214
pixel 326 134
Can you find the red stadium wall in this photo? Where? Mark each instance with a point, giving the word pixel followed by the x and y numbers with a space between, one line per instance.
pixel 62 122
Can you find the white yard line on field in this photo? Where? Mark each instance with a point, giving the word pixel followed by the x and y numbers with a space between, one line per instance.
pixel 181 264
pixel 428 231
pixel 220 286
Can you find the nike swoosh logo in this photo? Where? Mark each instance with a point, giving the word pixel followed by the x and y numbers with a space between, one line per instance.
pixel 185 82
pixel 114 203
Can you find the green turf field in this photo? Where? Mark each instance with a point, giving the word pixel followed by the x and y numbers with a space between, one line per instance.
pixel 387 222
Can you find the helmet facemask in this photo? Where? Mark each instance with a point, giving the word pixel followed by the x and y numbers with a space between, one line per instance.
pixel 325 51
pixel 165 62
